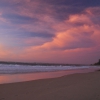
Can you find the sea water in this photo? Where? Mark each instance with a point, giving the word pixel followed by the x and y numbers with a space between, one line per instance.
pixel 17 73
pixel 16 69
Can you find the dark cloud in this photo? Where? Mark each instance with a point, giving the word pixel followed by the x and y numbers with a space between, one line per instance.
pixel 85 3
pixel 61 8
pixel 16 38
pixel 18 19
pixel 4 4
pixel 7 4
pixel 41 34
pixel 27 34
pixel 64 8
pixel 90 3
pixel 63 13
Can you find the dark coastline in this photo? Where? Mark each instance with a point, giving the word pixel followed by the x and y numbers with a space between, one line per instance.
pixel 43 64
pixel 98 63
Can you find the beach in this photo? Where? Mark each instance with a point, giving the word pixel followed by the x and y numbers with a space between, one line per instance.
pixel 80 86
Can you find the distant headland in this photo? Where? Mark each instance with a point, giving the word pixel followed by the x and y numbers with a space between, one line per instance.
pixel 41 64
pixel 98 63
pixel 45 64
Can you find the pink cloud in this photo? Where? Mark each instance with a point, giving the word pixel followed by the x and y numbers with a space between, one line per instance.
pixel 70 43
pixel 83 36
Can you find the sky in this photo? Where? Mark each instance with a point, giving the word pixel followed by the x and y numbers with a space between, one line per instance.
pixel 50 31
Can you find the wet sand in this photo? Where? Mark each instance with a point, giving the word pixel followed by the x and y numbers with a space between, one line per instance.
pixel 84 86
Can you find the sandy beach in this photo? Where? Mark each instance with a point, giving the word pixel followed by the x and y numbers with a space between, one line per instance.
pixel 84 86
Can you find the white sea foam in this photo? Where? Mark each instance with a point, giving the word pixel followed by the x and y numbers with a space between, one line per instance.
pixel 14 69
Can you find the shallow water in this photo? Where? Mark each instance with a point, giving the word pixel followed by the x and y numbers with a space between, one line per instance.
pixel 11 78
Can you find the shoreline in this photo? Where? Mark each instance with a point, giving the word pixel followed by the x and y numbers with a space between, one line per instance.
pixel 79 86
pixel 13 78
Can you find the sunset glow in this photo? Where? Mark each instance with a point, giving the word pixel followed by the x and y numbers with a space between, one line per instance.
pixel 53 31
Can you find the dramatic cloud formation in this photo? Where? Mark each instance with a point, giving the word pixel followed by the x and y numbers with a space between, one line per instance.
pixel 58 31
